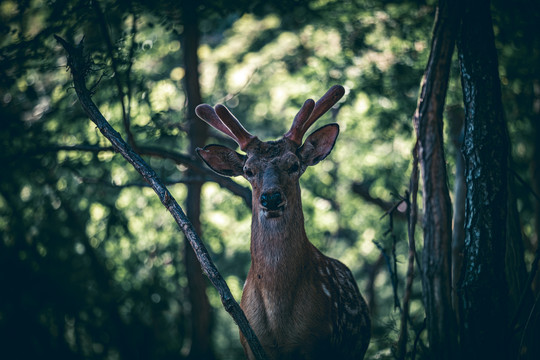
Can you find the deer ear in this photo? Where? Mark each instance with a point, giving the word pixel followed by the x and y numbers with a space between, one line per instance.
pixel 222 160
pixel 319 144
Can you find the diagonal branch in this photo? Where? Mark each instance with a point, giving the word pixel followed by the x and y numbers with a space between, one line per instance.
pixel 362 189
pixel 77 65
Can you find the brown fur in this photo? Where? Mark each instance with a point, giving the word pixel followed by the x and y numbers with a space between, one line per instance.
pixel 284 296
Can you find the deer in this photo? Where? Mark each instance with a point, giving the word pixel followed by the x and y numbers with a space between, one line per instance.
pixel 300 303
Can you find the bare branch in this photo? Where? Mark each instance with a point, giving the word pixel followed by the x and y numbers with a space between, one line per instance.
pixel 114 62
pixel 101 182
pixel 411 199
pixel 393 276
pixel 363 190
pixel 178 158
pixel 76 64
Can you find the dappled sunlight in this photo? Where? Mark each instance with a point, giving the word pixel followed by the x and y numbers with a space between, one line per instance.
pixel 75 217
pixel 165 96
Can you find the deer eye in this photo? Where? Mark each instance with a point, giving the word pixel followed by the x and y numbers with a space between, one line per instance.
pixel 248 172
pixel 294 168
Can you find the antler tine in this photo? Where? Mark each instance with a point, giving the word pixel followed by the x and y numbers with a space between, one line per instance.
pixel 299 128
pixel 295 133
pixel 207 113
pixel 241 134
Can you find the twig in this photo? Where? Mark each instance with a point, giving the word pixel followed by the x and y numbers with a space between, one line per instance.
pixel 114 63
pixel 130 64
pixel 392 277
pixel 417 339
pixel 88 180
pixel 76 64
pixel 412 214
pixel 531 313
pixel 527 287
pixel 178 158
pixel 524 183
pixel 362 189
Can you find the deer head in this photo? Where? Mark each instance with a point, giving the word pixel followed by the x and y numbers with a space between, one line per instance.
pixel 272 167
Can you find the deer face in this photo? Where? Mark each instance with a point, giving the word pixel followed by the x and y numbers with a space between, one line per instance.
pixel 273 167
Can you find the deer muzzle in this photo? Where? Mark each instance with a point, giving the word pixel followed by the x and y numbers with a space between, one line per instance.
pixel 271 200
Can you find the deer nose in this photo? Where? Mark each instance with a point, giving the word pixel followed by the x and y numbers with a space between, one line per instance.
pixel 271 200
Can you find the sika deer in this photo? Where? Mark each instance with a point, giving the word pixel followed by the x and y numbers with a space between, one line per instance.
pixel 300 303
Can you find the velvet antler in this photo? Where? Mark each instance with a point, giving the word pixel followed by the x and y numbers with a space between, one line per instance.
pixel 221 119
pixel 310 112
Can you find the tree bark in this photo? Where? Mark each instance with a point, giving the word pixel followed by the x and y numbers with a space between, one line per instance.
pixel 200 315
pixel 483 293
pixel 437 220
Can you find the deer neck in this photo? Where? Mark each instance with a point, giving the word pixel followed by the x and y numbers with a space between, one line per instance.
pixel 280 245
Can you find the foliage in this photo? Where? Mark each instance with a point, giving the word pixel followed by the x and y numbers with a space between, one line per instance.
pixel 91 263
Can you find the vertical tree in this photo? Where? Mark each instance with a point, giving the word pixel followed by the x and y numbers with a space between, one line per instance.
pixel 428 122
pixel 197 130
pixel 483 288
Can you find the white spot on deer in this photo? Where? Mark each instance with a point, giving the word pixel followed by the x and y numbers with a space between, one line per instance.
pixel 325 289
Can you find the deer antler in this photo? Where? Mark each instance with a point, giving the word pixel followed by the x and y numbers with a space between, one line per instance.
pixel 221 119
pixel 309 113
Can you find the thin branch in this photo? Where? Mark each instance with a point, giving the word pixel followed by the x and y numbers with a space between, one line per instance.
pixel 417 339
pixel 132 47
pixel 390 271
pixel 76 64
pixel 525 184
pixel 178 158
pixel 362 189
pixel 531 313
pixel 88 180
pixel 394 258
pixel 532 274
pixel 114 62
pixel 412 216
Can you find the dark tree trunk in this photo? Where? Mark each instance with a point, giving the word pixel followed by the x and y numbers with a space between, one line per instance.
pixel 200 318
pixel 483 293
pixel 437 220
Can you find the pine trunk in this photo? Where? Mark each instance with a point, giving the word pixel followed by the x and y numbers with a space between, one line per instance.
pixel 483 291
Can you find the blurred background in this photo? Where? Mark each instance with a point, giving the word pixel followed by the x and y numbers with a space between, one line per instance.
pixel 92 266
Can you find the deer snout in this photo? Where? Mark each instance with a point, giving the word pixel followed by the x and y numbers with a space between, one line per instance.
pixel 271 200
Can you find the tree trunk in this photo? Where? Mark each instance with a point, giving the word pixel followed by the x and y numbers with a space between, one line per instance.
pixel 483 293
pixel 437 220
pixel 200 319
